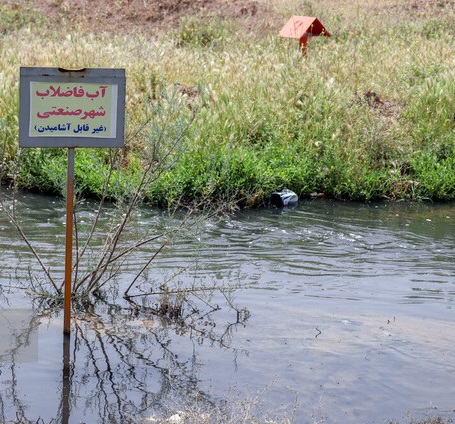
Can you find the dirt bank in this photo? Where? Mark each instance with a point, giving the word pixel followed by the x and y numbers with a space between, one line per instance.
pixel 144 15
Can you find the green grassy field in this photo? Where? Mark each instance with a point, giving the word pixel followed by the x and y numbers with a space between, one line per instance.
pixel 368 113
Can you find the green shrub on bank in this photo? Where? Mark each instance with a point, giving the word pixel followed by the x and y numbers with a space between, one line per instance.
pixel 14 17
pixel 200 32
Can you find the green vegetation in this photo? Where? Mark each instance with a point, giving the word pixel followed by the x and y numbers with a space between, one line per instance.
pixel 368 113
pixel 14 17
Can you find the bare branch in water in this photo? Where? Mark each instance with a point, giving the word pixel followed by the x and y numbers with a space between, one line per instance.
pixel 13 216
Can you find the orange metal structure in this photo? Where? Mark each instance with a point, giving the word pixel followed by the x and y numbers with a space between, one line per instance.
pixel 301 28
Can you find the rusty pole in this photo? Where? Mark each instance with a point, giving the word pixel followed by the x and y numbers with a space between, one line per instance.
pixel 69 242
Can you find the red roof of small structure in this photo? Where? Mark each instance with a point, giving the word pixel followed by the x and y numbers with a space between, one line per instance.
pixel 298 26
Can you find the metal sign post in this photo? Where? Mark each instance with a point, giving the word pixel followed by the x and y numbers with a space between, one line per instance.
pixel 71 108
pixel 69 243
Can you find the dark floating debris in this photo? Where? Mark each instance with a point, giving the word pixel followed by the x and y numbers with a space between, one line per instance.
pixel 283 198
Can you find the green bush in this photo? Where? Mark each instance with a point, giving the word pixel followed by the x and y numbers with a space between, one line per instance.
pixel 15 17
pixel 200 32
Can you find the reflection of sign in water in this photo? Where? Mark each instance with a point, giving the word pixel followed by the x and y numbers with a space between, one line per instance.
pixel 83 108
pixel 18 336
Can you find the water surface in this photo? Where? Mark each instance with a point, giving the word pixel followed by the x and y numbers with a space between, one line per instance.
pixel 345 313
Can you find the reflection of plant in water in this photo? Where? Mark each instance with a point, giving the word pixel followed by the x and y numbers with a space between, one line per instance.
pixel 126 364
pixel 11 356
pixel 123 360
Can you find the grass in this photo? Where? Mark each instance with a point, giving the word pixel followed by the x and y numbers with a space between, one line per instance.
pixel 368 113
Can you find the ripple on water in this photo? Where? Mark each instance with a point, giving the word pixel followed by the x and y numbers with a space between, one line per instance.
pixel 351 306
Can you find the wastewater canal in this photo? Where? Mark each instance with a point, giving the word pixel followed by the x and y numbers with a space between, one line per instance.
pixel 328 312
